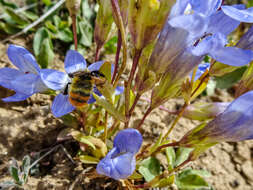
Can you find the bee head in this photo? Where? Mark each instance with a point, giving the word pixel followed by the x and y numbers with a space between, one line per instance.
pixel 98 77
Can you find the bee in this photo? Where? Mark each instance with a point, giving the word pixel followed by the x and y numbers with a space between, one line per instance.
pixel 82 85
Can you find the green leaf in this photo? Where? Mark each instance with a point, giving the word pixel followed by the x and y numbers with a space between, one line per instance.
pixel 47 2
pixel 109 107
pixel 135 176
pixel 30 15
pixel 86 10
pixel 51 27
pixel 171 157
pixel 8 4
pixel 46 55
pixel 88 159
pixel 166 182
pixel 80 137
pixel 202 173
pixel 14 171
pixel 65 35
pixel 8 28
pixel 39 37
pixel 150 168
pixel 26 167
pixel 230 79
pixel 188 180
pixel 106 70
pixel 86 33
pixel 181 155
pixel 158 142
pixel 111 45
pixel 16 17
pixel 56 20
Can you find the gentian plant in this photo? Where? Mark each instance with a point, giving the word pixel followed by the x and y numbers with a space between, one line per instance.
pixel 178 47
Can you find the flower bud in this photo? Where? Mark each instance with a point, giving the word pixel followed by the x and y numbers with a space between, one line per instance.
pixel 104 22
pixel 203 111
pixel 146 19
pixel 73 6
pixel 232 125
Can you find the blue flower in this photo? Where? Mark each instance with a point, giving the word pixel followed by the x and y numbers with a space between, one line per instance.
pixel 245 15
pixel 59 81
pixel 25 80
pixel 234 124
pixel 208 28
pixel 119 163
pixel 200 71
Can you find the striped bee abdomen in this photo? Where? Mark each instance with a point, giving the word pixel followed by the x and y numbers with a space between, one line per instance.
pixel 80 90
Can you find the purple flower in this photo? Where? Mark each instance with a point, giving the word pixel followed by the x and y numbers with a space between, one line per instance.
pixel 201 70
pixel 25 80
pixel 234 124
pixel 245 15
pixel 57 80
pixel 119 163
pixel 208 28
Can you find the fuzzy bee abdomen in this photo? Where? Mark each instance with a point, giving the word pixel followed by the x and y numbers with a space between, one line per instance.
pixel 80 91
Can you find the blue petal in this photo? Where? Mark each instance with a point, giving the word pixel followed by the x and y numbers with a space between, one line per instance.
pixel 206 7
pixel 214 46
pixel 39 86
pixel 128 140
pixel 195 24
pixel 211 43
pixel 237 14
pixel 16 98
pixel 220 22
pixel 119 90
pixel 91 100
pixel 201 69
pixel 55 80
pixel 246 41
pixel 95 66
pixel 61 105
pixel 235 123
pixel 117 165
pixel 25 84
pixel 22 59
pixel 74 62
pixel 179 8
pixel 233 56
pixel 7 75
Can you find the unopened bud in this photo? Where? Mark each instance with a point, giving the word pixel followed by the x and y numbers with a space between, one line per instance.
pixel 73 6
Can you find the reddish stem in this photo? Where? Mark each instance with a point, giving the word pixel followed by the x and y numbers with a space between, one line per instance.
pixel 144 117
pixel 119 44
pixel 134 104
pixel 97 53
pixel 74 30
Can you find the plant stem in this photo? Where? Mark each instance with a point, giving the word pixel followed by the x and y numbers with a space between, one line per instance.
pixel 137 97
pixel 105 128
pixel 97 53
pixel 74 30
pixel 119 44
pixel 149 110
pixel 175 121
pixel 120 25
pixel 136 58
